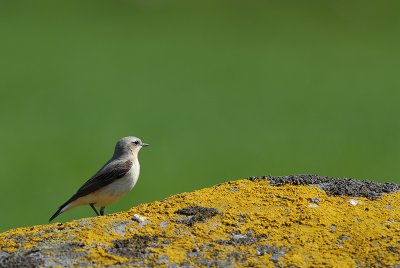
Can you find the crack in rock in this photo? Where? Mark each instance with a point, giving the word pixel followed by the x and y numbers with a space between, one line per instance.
pixel 134 247
pixel 195 214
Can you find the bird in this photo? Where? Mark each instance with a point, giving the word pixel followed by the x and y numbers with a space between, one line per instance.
pixel 116 178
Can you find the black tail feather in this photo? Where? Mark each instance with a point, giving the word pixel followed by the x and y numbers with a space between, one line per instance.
pixel 58 212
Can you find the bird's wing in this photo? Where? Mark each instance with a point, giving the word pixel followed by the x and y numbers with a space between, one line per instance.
pixel 110 172
pixel 103 177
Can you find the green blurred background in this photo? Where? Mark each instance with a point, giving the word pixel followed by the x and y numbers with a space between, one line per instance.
pixel 221 90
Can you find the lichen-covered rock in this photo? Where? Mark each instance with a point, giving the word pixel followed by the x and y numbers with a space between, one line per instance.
pixel 294 221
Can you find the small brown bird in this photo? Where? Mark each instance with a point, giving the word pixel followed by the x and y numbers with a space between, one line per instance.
pixel 115 179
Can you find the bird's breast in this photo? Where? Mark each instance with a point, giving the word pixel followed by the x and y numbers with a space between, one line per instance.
pixel 124 184
pixel 133 175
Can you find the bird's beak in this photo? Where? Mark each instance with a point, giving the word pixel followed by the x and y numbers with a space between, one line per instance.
pixel 145 144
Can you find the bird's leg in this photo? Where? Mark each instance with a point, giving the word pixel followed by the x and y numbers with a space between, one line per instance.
pixel 95 210
pixel 102 211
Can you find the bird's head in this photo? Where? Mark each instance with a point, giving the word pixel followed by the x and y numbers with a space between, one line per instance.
pixel 129 145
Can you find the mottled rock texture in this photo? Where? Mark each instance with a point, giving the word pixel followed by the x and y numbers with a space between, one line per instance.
pixel 293 221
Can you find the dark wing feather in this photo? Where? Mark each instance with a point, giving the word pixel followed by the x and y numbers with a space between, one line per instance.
pixel 102 178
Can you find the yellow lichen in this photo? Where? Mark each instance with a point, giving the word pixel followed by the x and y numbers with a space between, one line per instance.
pixel 332 232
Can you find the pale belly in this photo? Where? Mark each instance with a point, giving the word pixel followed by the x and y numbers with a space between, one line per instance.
pixel 109 193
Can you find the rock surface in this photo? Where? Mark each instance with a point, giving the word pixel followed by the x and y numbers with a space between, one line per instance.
pixel 293 221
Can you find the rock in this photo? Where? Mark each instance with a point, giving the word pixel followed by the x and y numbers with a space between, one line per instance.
pixel 293 221
pixel 335 187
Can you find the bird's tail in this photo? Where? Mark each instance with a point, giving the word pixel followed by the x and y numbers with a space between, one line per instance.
pixel 61 209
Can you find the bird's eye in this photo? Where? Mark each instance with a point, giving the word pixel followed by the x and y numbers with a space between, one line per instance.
pixel 136 142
